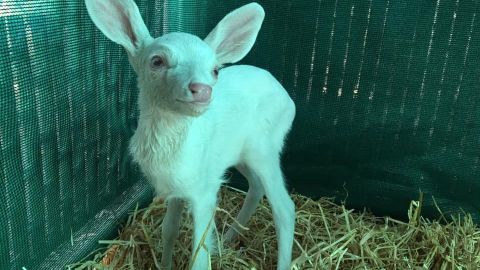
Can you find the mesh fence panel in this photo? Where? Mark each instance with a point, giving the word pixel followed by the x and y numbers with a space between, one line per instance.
pixel 387 96
pixel 67 114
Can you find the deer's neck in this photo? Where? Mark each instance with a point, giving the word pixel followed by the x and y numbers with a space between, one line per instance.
pixel 159 136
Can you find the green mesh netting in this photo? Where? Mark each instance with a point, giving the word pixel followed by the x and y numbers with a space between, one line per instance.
pixel 387 96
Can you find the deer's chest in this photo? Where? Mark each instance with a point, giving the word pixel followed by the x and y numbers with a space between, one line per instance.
pixel 169 161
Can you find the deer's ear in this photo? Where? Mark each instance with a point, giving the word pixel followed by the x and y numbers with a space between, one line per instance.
pixel 120 21
pixel 236 33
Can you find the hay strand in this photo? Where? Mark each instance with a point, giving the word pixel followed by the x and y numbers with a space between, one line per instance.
pixel 327 236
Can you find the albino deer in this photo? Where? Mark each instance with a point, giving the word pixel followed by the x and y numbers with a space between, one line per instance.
pixel 197 120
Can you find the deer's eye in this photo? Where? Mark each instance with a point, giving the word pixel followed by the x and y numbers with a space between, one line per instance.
pixel 157 62
pixel 215 72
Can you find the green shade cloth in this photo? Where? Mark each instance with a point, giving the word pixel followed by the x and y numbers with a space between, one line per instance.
pixel 387 96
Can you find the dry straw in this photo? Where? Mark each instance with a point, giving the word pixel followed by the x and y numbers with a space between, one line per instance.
pixel 328 236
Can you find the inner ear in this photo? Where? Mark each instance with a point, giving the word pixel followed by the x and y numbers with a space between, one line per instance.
pixel 128 29
pixel 225 47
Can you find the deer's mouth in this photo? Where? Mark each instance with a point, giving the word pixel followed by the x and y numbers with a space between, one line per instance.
pixel 194 102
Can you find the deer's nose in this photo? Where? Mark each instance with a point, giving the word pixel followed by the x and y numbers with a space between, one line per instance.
pixel 200 92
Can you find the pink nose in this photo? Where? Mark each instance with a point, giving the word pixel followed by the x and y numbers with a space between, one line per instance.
pixel 200 92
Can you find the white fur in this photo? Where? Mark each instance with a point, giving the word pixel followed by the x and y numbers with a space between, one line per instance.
pixel 185 147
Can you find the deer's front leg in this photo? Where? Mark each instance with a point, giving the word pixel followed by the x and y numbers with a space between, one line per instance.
pixel 170 229
pixel 203 210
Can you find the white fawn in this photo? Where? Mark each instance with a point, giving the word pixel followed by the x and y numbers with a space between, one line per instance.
pixel 197 120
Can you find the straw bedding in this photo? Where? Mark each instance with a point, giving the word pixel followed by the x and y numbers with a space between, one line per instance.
pixel 327 236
